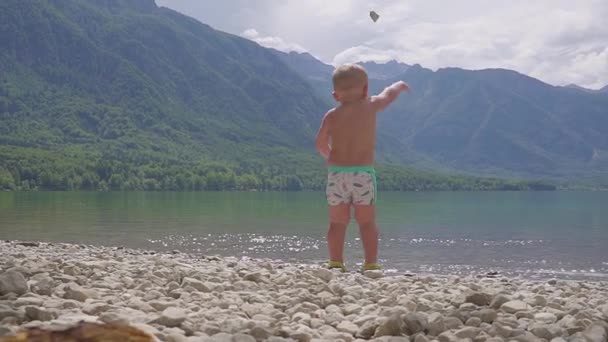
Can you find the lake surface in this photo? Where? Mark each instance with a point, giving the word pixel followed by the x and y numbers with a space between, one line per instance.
pixel 535 234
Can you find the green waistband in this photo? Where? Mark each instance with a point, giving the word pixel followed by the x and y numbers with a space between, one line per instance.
pixel 368 169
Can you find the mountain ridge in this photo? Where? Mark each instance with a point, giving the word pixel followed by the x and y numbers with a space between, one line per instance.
pixel 125 95
pixel 535 129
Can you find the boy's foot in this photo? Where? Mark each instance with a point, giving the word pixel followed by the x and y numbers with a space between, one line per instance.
pixel 371 267
pixel 336 264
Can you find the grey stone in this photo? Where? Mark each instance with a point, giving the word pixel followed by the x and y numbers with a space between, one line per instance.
pixel 392 326
pixel 503 330
pixel 421 338
pixel 498 301
pixel 558 339
pixel 236 325
pixel 261 333
pixel 255 277
pixel 196 284
pixel 171 317
pixel 467 332
pixel 374 274
pixel 39 314
pixel 367 330
pixel 392 339
pixel 452 323
pixel 13 282
pixel 114 317
pixel 415 323
pixel 473 322
pixel 539 300
pixel 448 336
pixel 243 338
pixel 324 274
pixel 596 333
pixel 8 312
pixel 478 298
pixel 514 306
pixel 78 293
pixel 547 332
pixel 95 308
pixel 436 324
pixel 43 286
pixel 545 318
pixel 348 327
pixel 488 315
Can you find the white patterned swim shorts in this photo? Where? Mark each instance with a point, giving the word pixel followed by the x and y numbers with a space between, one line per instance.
pixel 350 188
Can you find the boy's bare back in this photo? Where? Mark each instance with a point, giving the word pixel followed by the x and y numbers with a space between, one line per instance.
pixel 347 136
pixel 352 128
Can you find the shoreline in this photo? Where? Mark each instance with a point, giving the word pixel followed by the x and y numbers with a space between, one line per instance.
pixel 182 297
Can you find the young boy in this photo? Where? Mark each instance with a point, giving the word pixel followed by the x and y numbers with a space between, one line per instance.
pixel 346 139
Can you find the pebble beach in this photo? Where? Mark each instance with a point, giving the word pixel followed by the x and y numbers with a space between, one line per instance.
pixel 180 297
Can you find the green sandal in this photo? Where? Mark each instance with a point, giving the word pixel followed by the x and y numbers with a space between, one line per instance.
pixel 371 267
pixel 336 264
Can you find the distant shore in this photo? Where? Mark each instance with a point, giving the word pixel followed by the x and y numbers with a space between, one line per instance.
pixel 181 297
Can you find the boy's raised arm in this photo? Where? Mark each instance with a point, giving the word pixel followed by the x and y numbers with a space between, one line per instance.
pixel 322 140
pixel 388 95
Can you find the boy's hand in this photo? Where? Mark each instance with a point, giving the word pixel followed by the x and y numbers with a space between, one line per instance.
pixel 322 141
pixel 388 95
pixel 402 86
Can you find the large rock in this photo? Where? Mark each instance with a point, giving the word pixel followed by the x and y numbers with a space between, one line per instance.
pixel 514 306
pixel 547 332
pixel 596 333
pixel 467 332
pixel 236 325
pixel 392 326
pixel 545 318
pixel 39 314
pixel 76 292
pixel 374 274
pixel 604 309
pixel 348 327
pixel 392 339
pixel 367 330
pixel 498 301
pixel 478 298
pixel 196 284
pixel 13 282
pixel 452 323
pixel 421 338
pixel 43 286
pixel 95 308
pixel 243 338
pixel 473 322
pixel 171 317
pixel 436 324
pixel 448 336
pixel 415 323
pixel 324 274
pixel 502 330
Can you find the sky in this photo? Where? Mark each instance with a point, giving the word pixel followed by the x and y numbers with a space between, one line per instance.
pixel 557 41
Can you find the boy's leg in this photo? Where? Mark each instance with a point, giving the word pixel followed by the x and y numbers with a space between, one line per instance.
pixel 339 217
pixel 366 218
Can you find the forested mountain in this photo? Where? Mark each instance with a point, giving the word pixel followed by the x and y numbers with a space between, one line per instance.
pixel 122 94
pixel 488 122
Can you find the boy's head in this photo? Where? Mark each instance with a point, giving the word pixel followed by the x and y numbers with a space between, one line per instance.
pixel 350 83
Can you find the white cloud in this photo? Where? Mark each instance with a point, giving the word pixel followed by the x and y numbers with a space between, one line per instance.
pixel 559 45
pixel 272 42
pixel 557 41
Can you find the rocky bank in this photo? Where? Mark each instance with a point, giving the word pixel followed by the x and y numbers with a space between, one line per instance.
pixel 178 297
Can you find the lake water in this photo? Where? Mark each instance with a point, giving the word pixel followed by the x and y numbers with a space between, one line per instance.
pixel 535 234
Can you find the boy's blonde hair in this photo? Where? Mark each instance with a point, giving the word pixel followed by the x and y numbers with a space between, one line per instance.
pixel 349 77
